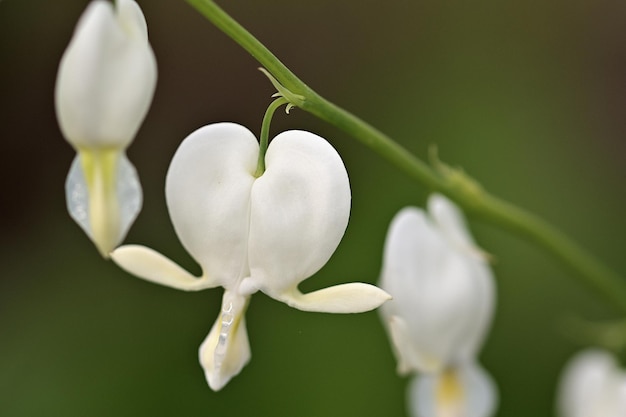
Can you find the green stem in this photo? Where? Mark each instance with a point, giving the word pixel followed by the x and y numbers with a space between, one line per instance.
pixel 456 186
pixel 265 133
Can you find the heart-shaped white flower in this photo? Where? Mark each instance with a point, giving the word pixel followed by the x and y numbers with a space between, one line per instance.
pixel 248 234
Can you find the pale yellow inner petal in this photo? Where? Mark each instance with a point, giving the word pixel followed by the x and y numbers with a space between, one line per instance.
pixel 99 168
pixel 450 395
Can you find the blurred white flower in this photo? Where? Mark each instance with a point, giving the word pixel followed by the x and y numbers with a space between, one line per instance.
pixel 592 385
pixel 443 305
pixel 104 87
pixel 268 233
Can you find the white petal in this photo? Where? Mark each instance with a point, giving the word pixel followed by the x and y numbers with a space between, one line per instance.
pixel 106 77
pixel 299 213
pixel 444 296
pixel 208 196
pixel 131 19
pixel 226 349
pixel 466 391
pixel 620 395
pixel 77 196
pixel 449 220
pixel 152 266
pixel 355 297
pixel 129 194
pixel 592 385
pixel 409 359
pixel 103 196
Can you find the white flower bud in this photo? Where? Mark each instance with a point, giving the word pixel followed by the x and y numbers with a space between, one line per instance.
pixel 104 87
pixel 106 78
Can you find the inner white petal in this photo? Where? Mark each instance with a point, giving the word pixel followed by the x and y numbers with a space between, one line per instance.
pixel 77 197
pixel 208 196
pixel 128 193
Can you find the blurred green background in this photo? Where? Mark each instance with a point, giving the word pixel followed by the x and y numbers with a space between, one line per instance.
pixel 528 96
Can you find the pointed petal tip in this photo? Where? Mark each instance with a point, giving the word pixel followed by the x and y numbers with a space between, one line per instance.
pixel 215 382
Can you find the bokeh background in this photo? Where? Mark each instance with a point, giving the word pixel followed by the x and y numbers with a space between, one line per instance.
pixel 528 96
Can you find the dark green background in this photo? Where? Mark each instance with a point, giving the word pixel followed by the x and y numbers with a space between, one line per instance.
pixel 528 96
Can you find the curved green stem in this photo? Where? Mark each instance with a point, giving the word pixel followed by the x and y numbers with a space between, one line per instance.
pixel 460 188
pixel 265 133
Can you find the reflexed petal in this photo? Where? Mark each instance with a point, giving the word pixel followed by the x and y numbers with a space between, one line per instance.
pixel 355 297
pixel 464 391
pixel 152 266
pixel 299 213
pixel 226 349
pixel 106 78
pixel 103 196
pixel 208 196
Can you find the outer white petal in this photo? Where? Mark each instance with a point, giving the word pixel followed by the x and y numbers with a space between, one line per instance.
pixel 226 349
pixel 299 213
pixel 443 295
pixel 450 222
pixel 152 266
pixel 106 78
pixel 463 391
pixel 592 385
pixel 408 358
pixel 208 189
pixel 620 395
pixel 131 19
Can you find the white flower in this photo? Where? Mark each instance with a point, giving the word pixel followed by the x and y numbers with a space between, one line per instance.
pixel 442 288
pixel 592 385
pixel 104 87
pixel 268 233
pixel 443 305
